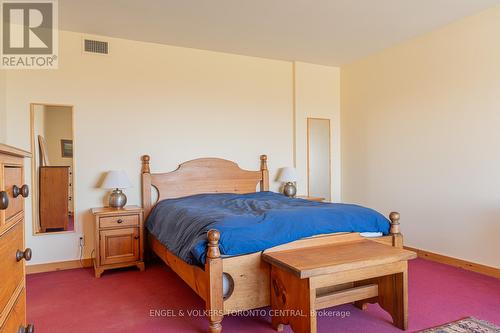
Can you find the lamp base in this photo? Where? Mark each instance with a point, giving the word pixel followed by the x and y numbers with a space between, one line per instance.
pixel 117 199
pixel 289 190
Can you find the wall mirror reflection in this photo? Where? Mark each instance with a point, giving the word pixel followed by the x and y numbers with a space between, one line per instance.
pixel 318 158
pixel 52 168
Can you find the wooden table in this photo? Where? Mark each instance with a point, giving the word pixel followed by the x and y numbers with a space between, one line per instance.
pixel 309 279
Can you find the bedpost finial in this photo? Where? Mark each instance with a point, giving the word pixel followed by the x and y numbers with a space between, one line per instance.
pixel 394 217
pixel 145 164
pixel 263 162
pixel 213 251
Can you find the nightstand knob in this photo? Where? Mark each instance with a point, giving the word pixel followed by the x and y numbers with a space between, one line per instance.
pixel 136 237
pixel 28 329
pixel 26 255
pixel 119 221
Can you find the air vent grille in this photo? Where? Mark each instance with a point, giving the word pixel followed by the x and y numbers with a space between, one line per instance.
pixel 95 46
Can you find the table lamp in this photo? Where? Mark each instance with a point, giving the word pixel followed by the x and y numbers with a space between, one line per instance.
pixel 289 176
pixel 116 180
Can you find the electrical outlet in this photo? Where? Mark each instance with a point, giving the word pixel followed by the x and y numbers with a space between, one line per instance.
pixel 82 241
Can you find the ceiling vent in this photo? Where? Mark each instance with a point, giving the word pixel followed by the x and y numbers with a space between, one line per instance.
pixel 95 46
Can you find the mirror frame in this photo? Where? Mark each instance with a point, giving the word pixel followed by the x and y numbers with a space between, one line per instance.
pixel 34 209
pixel 329 155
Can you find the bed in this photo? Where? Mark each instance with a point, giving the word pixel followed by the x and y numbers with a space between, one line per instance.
pixel 245 278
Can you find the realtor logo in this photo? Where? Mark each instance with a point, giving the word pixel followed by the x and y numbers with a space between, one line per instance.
pixel 29 34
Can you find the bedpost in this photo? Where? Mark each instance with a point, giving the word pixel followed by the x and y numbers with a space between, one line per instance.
pixel 397 237
pixel 213 268
pixel 146 185
pixel 145 164
pixel 264 183
pixel 146 203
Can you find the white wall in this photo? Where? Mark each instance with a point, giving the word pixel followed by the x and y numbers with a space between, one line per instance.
pixel 317 95
pixel 173 103
pixel 421 134
pixel 3 111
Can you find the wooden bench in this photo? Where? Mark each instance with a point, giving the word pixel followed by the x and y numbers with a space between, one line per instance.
pixel 309 279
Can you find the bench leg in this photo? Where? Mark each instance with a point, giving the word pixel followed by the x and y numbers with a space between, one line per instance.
pixel 393 297
pixel 292 302
pixel 363 304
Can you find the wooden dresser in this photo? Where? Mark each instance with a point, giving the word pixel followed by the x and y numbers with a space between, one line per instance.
pixel 54 198
pixel 13 254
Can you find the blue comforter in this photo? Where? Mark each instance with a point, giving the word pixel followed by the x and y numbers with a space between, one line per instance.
pixel 251 222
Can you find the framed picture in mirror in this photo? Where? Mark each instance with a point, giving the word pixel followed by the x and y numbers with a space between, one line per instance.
pixel 67 148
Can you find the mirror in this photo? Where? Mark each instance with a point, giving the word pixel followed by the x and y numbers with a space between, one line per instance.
pixel 52 168
pixel 318 158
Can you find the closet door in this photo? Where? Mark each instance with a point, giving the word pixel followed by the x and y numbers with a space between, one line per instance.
pixel 319 158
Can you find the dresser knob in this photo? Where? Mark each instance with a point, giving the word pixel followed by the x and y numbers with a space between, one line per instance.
pixel 24 191
pixel 28 329
pixel 4 200
pixel 136 237
pixel 26 255
pixel 119 221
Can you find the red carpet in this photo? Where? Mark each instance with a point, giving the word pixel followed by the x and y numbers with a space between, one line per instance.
pixel 121 301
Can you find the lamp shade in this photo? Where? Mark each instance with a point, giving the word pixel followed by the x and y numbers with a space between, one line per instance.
pixel 116 179
pixel 288 174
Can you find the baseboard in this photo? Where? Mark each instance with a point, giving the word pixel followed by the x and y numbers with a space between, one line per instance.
pixel 467 265
pixel 58 266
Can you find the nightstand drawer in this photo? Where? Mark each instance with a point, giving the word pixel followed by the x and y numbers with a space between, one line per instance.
pixel 119 221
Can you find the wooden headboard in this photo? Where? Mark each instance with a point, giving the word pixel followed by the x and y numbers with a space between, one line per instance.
pixel 203 175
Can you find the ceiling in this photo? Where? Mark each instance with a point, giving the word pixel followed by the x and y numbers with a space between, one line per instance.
pixel 329 32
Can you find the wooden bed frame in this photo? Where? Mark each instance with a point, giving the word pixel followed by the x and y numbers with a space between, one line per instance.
pixel 250 276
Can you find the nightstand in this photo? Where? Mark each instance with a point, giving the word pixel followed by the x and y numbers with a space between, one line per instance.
pixel 306 197
pixel 119 238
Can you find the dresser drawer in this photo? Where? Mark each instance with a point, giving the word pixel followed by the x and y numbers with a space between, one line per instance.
pixel 13 175
pixel 17 316
pixel 119 221
pixel 11 270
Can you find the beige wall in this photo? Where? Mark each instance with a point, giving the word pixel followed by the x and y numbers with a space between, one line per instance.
pixel 317 95
pixel 421 134
pixel 3 111
pixel 319 162
pixel 173 103
pixel 58 126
